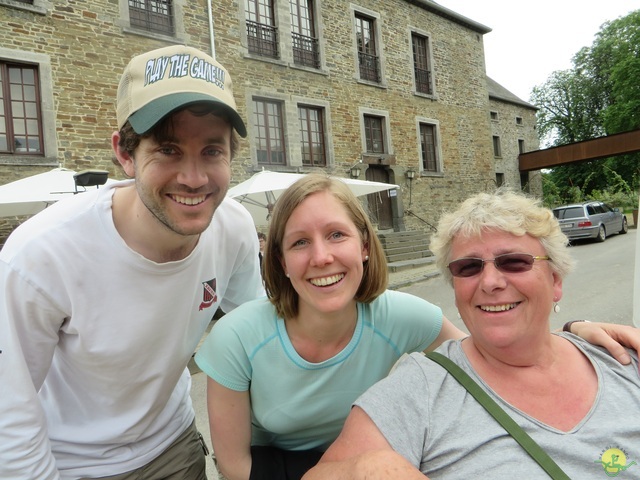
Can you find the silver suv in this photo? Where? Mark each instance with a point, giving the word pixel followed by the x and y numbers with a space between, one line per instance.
pixel 590 220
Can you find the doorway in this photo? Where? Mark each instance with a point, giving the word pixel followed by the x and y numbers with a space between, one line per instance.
pixel 380 202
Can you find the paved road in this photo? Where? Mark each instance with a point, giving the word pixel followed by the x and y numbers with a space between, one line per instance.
pixel 600 288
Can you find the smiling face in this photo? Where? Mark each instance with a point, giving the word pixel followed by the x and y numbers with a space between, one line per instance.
pixel 505 309
pixel 184 178
pixel 323 255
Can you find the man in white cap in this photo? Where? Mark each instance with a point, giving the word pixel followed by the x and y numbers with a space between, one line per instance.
pixel 104 298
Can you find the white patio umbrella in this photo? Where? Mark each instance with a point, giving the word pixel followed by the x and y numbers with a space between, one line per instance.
pixel 259 193
pixel 30 195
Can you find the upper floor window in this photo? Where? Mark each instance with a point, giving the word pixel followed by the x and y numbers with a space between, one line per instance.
pixel 519 121
pixel 152 15
pixel 303 33
pixel 312 136
pixel 520 146
pixel 368 55
pixel 262 34
pixel 20 110
pixel 374 134
pixel 497 151
pixel 428 147
pixel 494 116
pixel 421 64
pixel 270 141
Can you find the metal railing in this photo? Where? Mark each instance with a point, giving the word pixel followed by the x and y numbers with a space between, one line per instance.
pixel 369 67
pixel 305 50
pixel 262 39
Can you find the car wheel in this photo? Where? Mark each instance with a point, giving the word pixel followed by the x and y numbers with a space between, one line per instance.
pixel 602 234
pixel 625 227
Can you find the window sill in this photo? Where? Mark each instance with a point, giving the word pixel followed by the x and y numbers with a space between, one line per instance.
pixel 153 35
pixel 28 160
pixel 36 8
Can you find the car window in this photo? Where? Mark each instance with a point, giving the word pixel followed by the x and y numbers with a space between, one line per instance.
pixel 606 208
pixel 592 209
pixel 566 213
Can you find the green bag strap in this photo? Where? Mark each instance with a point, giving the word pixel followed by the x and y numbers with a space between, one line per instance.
pixel 532 448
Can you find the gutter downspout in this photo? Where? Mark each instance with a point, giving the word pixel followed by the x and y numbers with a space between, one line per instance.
pixel 211 31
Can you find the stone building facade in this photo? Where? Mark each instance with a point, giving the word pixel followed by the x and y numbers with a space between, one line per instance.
pixel 513 131
pixel 395 88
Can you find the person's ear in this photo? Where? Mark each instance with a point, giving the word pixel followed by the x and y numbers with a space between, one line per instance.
pixel 123 157
pixel 365 252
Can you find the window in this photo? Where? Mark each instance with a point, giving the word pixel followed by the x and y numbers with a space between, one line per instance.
pixel 494 116
pixel 20 111
pixel 421 67
pixel 374 134
pixel 262 34
pixel 428 147
pixel 520 145
pixel 518 120
pixel 312 136
pixel 269 122
pixel 524 181
pixel 152 15
pixel 368 59
pixel 305 42
pixel 497 151
pixel 499 179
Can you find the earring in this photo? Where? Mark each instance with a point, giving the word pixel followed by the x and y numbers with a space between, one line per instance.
pixel 366 258
pixel 556 308
pixel 286 275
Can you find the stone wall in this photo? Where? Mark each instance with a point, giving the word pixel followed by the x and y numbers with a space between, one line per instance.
pixel 89 43
pixel 511 131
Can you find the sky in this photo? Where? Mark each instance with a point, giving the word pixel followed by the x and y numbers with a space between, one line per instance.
pixel 532 39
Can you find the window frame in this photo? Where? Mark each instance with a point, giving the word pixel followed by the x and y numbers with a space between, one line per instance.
pixel 386 132
pixel 427 59
pixel 305 41
pixel 42 63
pixel 435 125
pixel 12 101
pixel 309 133
pixel 377 37
pixel 146 9
pixel 254 20
pixel 179 34
pixel 497 148
pixel 267 127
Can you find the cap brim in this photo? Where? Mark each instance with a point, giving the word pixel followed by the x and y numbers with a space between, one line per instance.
pixel 144 119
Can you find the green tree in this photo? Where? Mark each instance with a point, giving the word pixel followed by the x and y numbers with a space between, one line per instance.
pixel 599 96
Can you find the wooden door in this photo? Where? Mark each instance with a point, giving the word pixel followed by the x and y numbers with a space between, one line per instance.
pixel 380 203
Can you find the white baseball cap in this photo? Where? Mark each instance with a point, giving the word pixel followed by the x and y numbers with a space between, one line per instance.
pixel 156 83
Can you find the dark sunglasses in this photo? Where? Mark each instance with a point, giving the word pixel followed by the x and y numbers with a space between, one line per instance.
pixel 505 263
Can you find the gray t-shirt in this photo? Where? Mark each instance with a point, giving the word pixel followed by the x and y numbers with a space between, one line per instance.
pixel 429 418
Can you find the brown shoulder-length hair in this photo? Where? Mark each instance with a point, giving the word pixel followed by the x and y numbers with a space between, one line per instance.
pixel 279 289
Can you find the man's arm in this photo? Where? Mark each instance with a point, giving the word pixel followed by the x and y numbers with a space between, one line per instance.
pixel 25 451
pixel 361 452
